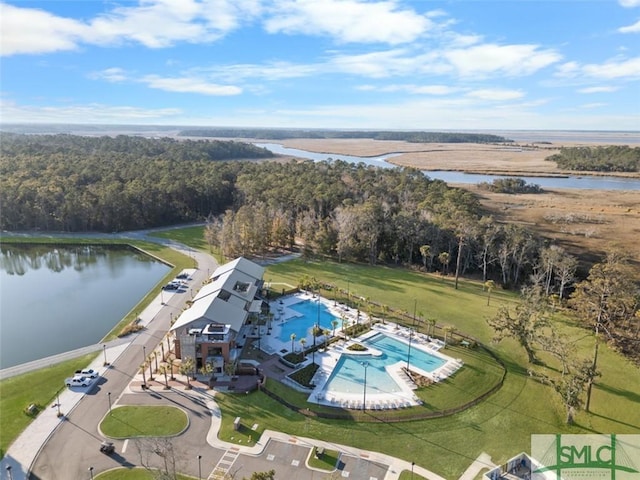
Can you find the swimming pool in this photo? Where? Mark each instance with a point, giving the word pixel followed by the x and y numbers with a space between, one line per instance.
pixel 348 374
pixel 310 312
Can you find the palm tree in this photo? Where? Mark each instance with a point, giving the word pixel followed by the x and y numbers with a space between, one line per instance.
pixel 303 342
pixel 385 313
pixel 293 339
pixel 171 362
pixel 143 367
pixel 207 370
pixel 448 331
pixel 444 259
pixel 432 326
pixel 186 368
pixel 164 369
pixel 489 285
pixel 334 324
pixel 149 361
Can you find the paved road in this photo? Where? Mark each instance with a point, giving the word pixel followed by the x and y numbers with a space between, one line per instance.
pixel 70 447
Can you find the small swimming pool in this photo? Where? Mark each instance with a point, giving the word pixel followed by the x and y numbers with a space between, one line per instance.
pixel 310 312
pixel 348 374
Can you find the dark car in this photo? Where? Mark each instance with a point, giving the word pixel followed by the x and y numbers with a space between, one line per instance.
pixel 107 448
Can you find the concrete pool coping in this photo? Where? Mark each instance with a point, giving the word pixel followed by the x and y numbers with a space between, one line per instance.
pixel 329 357
pixel 380 401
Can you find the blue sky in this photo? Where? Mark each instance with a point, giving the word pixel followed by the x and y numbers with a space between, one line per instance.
pixel 394 64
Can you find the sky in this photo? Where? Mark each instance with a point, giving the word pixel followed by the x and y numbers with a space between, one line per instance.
pixel 348 64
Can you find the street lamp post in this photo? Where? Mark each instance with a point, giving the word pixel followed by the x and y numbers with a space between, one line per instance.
pixel 412 464
pixel 104 350
pixel 58 404
pixel 9 474
pixel 409 352
pixel 199 468
pixel 109 396
pixel 415 306
pixel 364 393
pixel 91 472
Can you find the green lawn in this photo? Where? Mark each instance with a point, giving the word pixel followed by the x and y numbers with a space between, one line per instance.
pixel 144 421
pixel 132 474
pixel 501 425
pixel 190 236
pixel 327 461
pixel 40 388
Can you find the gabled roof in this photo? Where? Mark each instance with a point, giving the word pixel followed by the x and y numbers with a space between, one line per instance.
pixel 227 299
pixel 243 265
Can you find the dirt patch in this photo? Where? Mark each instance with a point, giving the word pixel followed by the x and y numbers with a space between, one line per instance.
pixel 588 223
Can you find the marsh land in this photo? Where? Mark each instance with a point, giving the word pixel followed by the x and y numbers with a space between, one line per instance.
pixel 586 222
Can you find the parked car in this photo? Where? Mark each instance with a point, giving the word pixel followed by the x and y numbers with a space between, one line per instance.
pixel 172 286
pixel 107 448
pixel 87 372
pixel 78 381
pixel 182 276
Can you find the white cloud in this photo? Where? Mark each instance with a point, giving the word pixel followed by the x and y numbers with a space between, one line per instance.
pixel 593 105
pixel 84 113
pixel 633 28
pixel 509 60
pixel 183 84
pixel 113 75
pixel 348 20
pixel 629 3
pixel 413 89
pixel 603 89
pixel 495 94
pixel 29 30
pixel 152 23
pixel 614 69
pixel 189 85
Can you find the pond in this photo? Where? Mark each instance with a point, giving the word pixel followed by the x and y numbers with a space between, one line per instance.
pixel 571 181
pixel 55 299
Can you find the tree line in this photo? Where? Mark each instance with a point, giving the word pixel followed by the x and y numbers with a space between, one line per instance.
pixel 510 185
pixel 610 158
pixel 348 211
pixel 284 134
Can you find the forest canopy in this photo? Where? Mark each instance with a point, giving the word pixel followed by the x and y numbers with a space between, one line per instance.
pixel 611 158
pixel 280 134
pixel 349 211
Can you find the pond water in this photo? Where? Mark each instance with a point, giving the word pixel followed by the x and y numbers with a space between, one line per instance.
pixel 55 299
pixel 572 181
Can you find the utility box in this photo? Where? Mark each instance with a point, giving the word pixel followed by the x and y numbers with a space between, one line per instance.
pixel 236 424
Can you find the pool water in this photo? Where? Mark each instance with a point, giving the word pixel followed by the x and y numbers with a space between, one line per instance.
pixel 311 312
pixel 348 374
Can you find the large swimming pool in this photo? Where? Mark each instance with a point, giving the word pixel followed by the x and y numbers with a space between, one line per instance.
pixel 309 312
pixel 348 374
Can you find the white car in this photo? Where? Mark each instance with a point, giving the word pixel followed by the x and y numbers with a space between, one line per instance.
pixel 78 381
pixel 87 372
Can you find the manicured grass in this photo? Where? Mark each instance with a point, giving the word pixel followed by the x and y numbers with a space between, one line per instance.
pixel 501 425
pixel 144 421
pixel 327 461
pixel 190 236
pixel 132 474
pixel 40 388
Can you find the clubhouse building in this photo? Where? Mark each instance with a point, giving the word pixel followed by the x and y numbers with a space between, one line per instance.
pixel 213 329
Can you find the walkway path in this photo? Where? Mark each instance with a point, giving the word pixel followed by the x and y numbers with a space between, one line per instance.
pixel 23 452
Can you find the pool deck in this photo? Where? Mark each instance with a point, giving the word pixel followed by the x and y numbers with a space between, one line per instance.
pixel 328 359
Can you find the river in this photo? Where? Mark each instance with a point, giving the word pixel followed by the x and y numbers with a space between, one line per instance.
pixel 585 182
